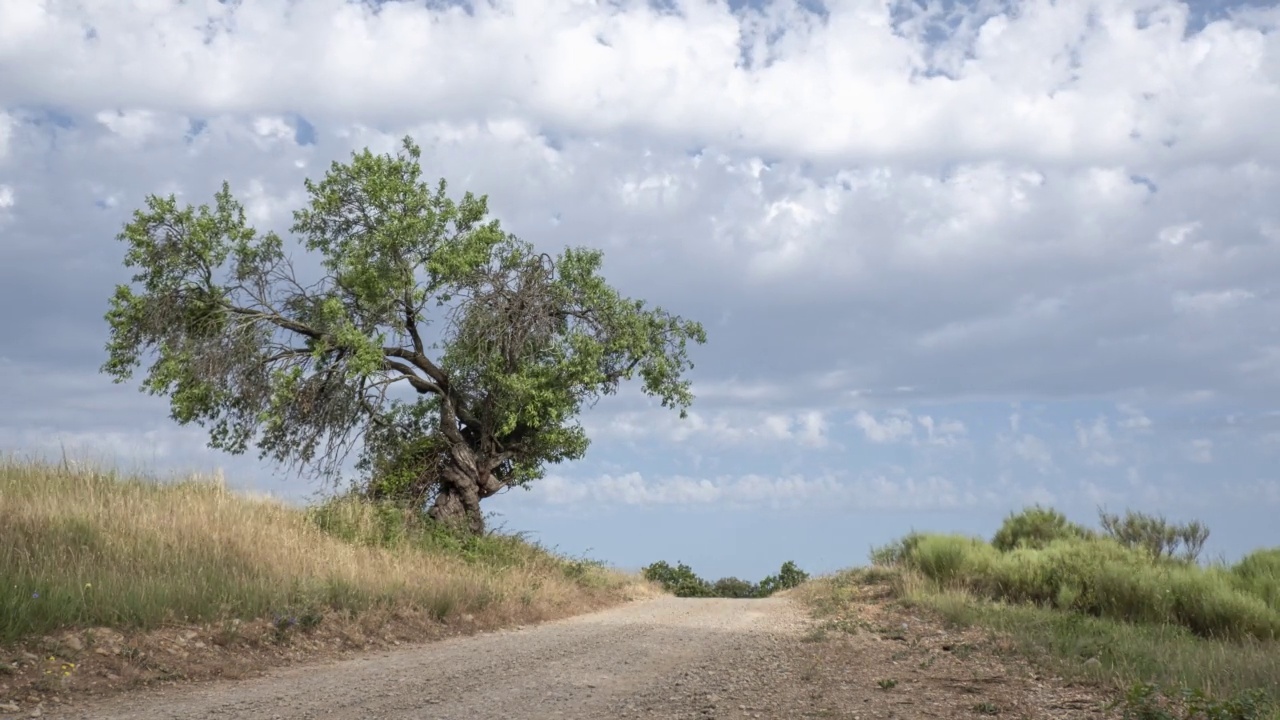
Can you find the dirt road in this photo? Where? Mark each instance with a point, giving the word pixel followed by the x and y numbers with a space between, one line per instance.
pixel 665 659
pixel 633 660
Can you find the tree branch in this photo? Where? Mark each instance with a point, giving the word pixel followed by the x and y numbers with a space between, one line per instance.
pixel 420 361
pixel 275 319
pixel 422 386
pixel 411 324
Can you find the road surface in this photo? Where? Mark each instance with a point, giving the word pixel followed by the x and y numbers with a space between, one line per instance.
pixel 663 658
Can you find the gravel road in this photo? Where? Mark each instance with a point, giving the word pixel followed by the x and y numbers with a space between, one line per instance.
pixel 663 658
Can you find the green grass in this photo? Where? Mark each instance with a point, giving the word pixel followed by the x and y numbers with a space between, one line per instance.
pixel 82 547
pixel 1169 656
pixel 1168 635
pixel 1099 577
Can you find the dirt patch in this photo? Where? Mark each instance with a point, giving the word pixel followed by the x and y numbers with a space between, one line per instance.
pixel 878 659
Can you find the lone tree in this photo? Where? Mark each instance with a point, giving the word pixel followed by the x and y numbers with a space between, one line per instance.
pixel 497 347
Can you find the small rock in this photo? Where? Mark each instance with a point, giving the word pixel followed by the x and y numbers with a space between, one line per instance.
pixel 73 642
pixel 9 707
pixel 29 656
pixel 1092 662
pixel 35 712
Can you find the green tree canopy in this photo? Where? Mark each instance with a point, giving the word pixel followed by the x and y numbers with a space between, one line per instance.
pixel 500 345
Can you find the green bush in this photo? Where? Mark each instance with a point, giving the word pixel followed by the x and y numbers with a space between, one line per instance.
pixel 732 587
pixel 896 552
pixel 789 576
pixel 947 558
pixel 1258 573
pixel 1036 527
pixel 680 580
pixel 1103 577
pixel 1209 605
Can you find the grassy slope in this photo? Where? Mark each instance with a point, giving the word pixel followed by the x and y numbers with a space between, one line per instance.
pixel 82 548
pixel 1095 612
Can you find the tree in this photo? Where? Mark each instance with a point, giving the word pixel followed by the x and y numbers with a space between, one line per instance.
pixel 497 347
pixel 1154 534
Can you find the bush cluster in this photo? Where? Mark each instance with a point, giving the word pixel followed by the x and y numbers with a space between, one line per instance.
pixel 1138 568
pixel 682 581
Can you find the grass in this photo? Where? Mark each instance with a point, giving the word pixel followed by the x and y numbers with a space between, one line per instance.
pixel 1168 656
pixel 1172 638
pixel 1098 577
pixel 81 547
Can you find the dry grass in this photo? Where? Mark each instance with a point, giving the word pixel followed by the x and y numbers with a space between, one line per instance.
pixel 84 548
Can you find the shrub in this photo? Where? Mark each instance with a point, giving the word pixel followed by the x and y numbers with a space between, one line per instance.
pixel 1258 573
pixel 1036 527
pixel 732 587
pixel 1157 536
pixel 1208 605
pixel 896 552
pixel 789 576
pixel 680 580
pixel 1102 577
pixel 946 558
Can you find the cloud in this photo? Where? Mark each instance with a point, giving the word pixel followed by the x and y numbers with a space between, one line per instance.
pixel 753 490
pixel 942 432
pixel 1074 84
pixel 896 220
pixel 1211 302
pixel 807 428
pixel 1096 440
pixel 1134 419
pixel 1018 447
pixel 1033 450
pixel 1200 450
pixel 902 426
pixel 892 429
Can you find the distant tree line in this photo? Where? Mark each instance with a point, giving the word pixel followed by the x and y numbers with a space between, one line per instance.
pixel 682 581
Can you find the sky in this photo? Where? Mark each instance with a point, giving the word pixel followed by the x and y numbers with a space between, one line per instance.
pixel 953 258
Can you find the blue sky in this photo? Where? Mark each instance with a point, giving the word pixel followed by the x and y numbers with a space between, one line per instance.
pixel 953 258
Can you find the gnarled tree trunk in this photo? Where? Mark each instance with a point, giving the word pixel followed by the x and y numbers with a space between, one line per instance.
pixel 466 478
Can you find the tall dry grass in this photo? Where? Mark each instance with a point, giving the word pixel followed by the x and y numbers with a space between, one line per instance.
pixel 84 547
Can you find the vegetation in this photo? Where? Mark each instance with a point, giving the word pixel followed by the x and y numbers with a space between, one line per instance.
pixel 1126 604
pixel 682 581
pixel 492 347
pixel 82 548
pixel 1036 527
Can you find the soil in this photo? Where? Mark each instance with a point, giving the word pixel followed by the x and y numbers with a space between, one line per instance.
pixel 661 658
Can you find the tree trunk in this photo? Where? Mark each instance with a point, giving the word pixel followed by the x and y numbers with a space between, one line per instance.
pixel 450 509
pixel 465 478
pixel 458 499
